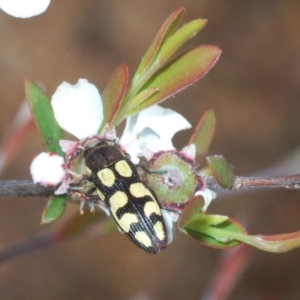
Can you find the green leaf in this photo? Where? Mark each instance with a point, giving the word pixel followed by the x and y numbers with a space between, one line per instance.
pixel 55 208
pixel 113 94
pixel 220 170
pixel 211 241
pixel 168 47
pixel 220 236
pixel 179 74
pixel 231 233
pixel 179 38
pixel 144 72
pixel 203 133
pixel 164 32
pixel 43 116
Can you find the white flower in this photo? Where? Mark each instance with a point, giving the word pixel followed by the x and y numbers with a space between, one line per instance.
pixel 78 108
pixel 208 195
pixel 151 130
pixel 47 169
pixel 24 8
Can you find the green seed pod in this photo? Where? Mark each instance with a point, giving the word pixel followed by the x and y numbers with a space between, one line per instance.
pixel 177 182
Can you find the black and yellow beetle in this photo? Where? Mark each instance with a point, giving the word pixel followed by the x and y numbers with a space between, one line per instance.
pixel 133 205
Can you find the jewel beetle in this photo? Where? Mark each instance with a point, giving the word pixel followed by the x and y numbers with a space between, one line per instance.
pixel 133 205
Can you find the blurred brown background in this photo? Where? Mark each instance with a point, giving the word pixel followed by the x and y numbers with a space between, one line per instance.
pixel 254 90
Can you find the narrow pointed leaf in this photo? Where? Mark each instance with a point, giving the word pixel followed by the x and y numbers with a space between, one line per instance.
pixel 170 45
pixel 231 232
pixel 203 133
pixel 113 94
pixel 179 74
pixel 164 32
pixel 145 69
pixel 43 116
pixel 278 243
pixel 220 170
pixel 179 38
pixel 55 208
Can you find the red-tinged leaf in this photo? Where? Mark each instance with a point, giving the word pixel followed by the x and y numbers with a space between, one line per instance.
pixel 192 208
pixel 113 94
pixel 274 243
pixel 43 116
pixel 147 67
pixel 284 242
pixel 220 170
pixel 179 74
pixel 169 46
pixel 55 208
pixel 179 38
pixel 219 236
pixel 203 133
pixel 165 31
pixel 281 237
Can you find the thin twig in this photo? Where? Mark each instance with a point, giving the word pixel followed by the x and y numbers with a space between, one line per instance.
pixel 28 188
pixel 242 183
pixel 24 188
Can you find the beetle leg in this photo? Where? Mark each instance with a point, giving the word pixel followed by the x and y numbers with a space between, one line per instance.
pixel 149 172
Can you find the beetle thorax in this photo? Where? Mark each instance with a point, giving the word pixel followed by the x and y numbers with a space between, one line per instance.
pixel 102 156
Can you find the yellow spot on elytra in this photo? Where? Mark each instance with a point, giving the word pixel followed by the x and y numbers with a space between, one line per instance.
pixel 159 230
pixel 107 177
pixel 126 220
pixel 138 190
pixel 117 200
pixel 150 208
pixel 123 168
pixel 143 238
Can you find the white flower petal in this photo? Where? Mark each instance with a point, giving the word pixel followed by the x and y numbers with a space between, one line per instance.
pixel 152 129
pixel 24 8
pixel 169 225
pixel 47 169
pixel 78 108
pixel 208 195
